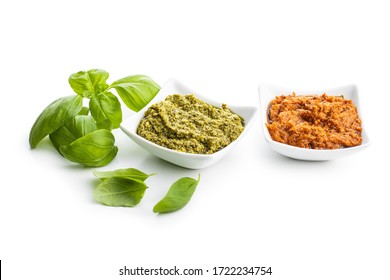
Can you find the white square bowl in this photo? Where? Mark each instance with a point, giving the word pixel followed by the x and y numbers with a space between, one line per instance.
pixel 187 160
pixel 268 92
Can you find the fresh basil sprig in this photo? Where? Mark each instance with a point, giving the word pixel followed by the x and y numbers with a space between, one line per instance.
pixel 83 138
pixel 178 195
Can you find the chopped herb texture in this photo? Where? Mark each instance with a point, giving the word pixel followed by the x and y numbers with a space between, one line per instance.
pixel 187 124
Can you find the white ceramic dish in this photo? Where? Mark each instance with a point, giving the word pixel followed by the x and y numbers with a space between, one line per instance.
pixel 192 161
pixel 268 92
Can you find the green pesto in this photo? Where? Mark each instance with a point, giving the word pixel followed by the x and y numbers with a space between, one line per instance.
pixel 187 124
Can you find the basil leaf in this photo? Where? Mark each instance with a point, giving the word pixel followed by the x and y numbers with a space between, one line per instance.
pixel 131 173
pixel 89 83
pixel 117 191
pixel 106 110
pixel 84 111
pixel 94 149
pixel 54 116
pixel 177 196
pixel 75 128
pixel 136 91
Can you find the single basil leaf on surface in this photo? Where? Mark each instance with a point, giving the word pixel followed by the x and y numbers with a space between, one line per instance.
pixel 131 173
pixel 136 91
pixel 117 191
pixel 177 196
pixel 94 149
pixel 89 83
pixel 106 110
pixel 54 116
pixel 73 129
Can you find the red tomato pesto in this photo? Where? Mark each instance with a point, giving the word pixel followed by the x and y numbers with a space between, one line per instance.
pixel 314 121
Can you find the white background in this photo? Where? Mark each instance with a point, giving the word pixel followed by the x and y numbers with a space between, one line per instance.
pixel 324 220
